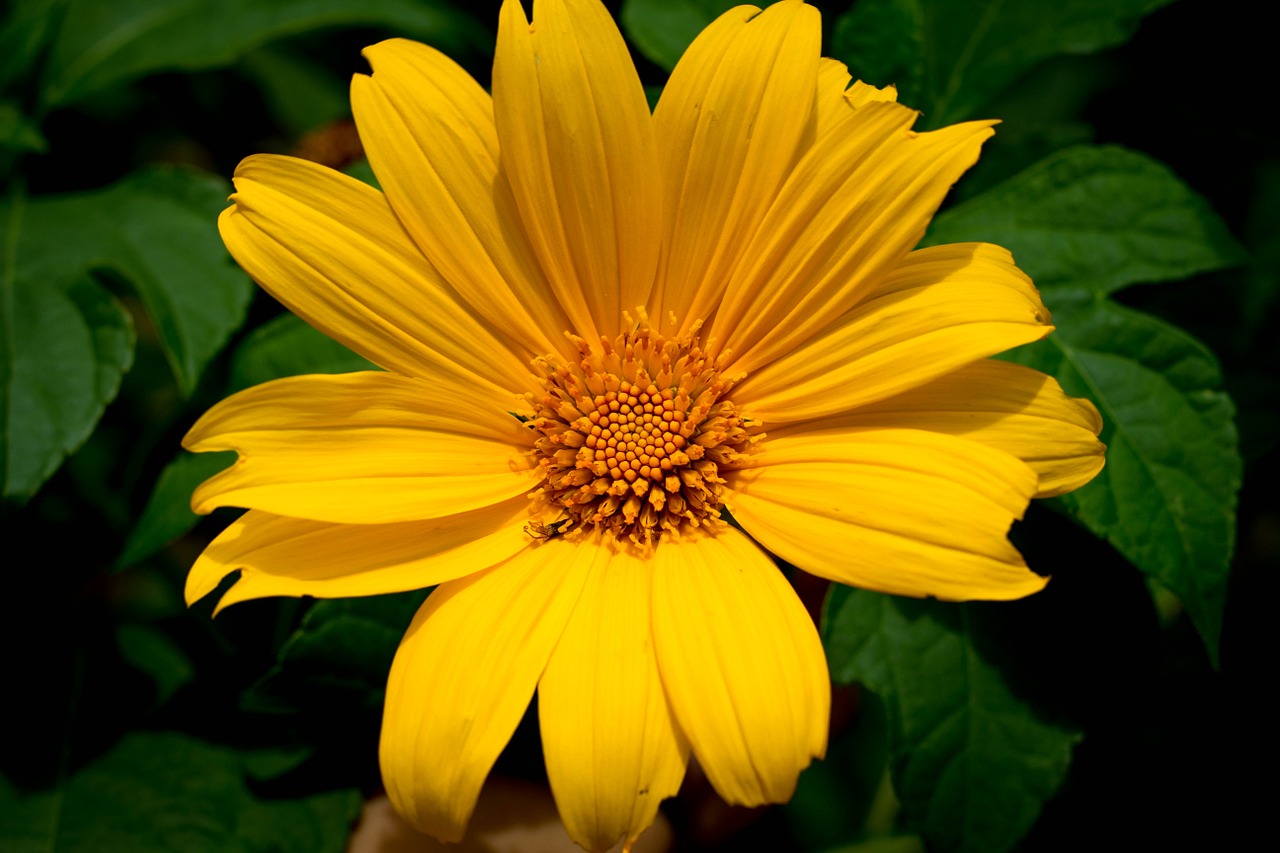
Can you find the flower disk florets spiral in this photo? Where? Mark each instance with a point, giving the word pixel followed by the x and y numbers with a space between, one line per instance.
pixel 636 436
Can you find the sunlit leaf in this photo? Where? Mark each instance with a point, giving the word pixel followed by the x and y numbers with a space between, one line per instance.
pixel 973 762
pixel 168 791
pixel 1085 223
pixel 662 29
pixel 949 58
pixel 64 345
pixel 156 231
pixel 103 43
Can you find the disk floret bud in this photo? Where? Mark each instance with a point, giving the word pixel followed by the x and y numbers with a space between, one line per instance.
pixel 635 437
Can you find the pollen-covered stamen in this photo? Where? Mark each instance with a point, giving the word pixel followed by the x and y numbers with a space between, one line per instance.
pixel 635 436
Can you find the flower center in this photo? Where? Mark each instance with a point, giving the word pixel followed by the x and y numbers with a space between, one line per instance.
pixel 635 437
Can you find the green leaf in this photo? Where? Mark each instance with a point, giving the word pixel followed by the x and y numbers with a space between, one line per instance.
pixel 24 33
pixel 847 794
pixel 302 94
pixel 104 43
pixel 1096 217
pixel 155 230
pixel 1167 497
pixel 148 649
pixel 1085 223
pixel 1039 115
pixel 286 346
pixel 973 762
pixel 66 343
pixel 339 657
pixel 168 514
pixel 18 133
pixel 662 29
pixel 950 58
pixel 167 791
pixel 362 171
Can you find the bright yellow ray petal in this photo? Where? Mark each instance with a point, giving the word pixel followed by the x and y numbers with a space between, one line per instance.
pixel 361 448
pixel 465 673
pixel 290 556
pixel 731 124
pixel 1019 410
pixel 613 751
pixel 329 248
pixel 848 215
pixel 428 130
pixel 837 95
pixel 901 511
pixel 941 308
pixel 577 147
pixel 833 80
pixel 742 664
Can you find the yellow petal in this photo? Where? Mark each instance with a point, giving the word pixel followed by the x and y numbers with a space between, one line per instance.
pixel 731 125
pixel 833 80
pixel 1016 409
pixel 836 95
pixel 742 664
pixel 361 448
pixel 464 675
pixel 331 250
pixel 864 93
pixel 941 308
pixel 577 146
pixel 291 556
pixel 612 749
pixel 906 512
pixel 428 130
pixel 850 212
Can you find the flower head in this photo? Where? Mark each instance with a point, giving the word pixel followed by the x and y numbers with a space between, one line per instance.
pixel 600 329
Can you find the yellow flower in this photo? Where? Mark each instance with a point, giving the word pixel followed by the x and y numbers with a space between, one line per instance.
pixel 600 328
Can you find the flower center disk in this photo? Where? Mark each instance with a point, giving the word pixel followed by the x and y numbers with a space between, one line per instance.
pixel 635 437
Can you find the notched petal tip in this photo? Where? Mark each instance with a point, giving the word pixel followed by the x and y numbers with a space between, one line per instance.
pixel 861 93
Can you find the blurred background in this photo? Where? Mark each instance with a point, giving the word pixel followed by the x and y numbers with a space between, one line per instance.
pixel 1121 706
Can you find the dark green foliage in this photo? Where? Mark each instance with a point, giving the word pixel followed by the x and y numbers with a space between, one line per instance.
pixel 949 58
pixel 973 761
pixel 166 791
pixel 104 43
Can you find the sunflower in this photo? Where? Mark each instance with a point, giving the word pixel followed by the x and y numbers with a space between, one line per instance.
pixel 627 356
